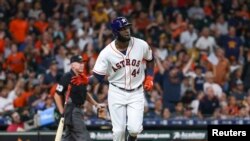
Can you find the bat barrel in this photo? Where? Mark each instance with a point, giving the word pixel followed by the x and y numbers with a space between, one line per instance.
pixel 59 131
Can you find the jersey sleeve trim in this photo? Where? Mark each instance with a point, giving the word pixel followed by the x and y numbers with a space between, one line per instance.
pixel 100 73
pixel 148 59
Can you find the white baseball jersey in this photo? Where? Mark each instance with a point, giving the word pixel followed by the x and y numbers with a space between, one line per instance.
pixel 125 71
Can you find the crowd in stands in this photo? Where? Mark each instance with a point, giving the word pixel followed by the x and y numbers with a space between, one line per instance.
pixel 201 49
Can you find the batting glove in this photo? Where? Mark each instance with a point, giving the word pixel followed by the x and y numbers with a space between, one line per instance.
pixel 148 83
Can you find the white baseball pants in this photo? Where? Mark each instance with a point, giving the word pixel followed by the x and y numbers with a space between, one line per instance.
pixel 126 108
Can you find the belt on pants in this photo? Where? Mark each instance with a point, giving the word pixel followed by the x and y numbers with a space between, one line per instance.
pixel 77 105
pixel 127 90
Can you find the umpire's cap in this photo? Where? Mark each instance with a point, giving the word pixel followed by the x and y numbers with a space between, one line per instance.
pixel 76 58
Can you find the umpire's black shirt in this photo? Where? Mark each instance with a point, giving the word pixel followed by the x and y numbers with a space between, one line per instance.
pixel 77 93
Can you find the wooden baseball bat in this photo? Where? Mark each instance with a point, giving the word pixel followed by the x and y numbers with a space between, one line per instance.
pixel 59 131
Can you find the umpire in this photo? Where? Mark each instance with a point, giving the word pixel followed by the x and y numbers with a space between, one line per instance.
pixel 74 97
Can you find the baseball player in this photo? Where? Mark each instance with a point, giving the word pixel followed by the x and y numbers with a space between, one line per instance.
pixel 122 61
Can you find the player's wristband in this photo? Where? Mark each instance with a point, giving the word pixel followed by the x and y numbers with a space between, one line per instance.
pixel 150 71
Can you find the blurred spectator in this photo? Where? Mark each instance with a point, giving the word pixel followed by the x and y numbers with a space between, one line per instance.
pixel 17 125
pixel 16 60
pixel 80 6
pixel 188 114
pixel 49 5
pixel 188 97
pixel 239 92
pixel 142 21
pixel 99 15
pixel 221 69
pixel 34 13
pixel 52 76
pixel 188 37
pixel 208 8
pixel 199 79
pixel 246 71
pixel 208 104
pixel 220 28
pixel 206 43
pixel 178 26
pixel 4 10
pixel 172 83
pixel 221 113
pixel 49 102
pixel 233 106
pixel 232 45
pixel 88 111
pixel 66 62
pixel 196 12
pixel 37 99
pixel 18 28
pixel 166 114
pixel 60 58
pixel 21 93
pixel 152 98
pixel 41 24
pixel 78 21
pixel 210 83
pixel 162 51
pixel 186 85
pixel 5 101
pixel 196 102
pixel 127 8
pixel 156 112
pixel 244 12
pixel 2 42
pixel 244 112
pixel 178 112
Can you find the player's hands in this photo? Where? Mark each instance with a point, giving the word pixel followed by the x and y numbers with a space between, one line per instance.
pixel 62 115
pixel 101 111
pixel 101 105
pixel 79 79
pixel 148 83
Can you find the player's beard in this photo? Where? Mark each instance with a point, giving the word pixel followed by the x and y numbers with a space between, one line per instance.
pixel 122 39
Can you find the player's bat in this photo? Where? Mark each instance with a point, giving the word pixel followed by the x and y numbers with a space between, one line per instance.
pixel 59 131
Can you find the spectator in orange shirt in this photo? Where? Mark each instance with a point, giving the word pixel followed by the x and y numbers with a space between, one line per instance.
pixel 16 61
pixel 41 24
pixel 208 8
pixel 142 21
pixel 25 94
pixel 127 8
pixel 244 12
pixel 178 26
pixel 18 28
pixel 45 44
